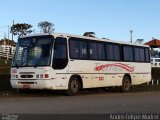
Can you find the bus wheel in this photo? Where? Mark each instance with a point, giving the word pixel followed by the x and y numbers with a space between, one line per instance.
pixel 126 84
pixel 74 87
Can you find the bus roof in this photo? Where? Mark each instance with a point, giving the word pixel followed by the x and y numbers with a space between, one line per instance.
pixel 83 37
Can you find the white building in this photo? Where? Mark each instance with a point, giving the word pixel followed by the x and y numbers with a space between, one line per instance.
pixel 7 48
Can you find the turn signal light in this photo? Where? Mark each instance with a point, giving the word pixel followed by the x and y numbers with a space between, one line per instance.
pixel 41 76
pixel 46 75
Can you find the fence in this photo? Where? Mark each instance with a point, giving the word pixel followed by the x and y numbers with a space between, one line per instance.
pixel 154 82
pixel 155 62
pixel 7 51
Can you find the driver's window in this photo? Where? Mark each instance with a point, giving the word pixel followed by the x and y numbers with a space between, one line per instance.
pixel 60 57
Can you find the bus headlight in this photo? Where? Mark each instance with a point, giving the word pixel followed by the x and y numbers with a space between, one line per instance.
pixel 37 76
pixel 16 76
pixel 13 76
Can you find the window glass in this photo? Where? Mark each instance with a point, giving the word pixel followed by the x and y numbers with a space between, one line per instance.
pixel 136 54
pixel 83 50
pixel 147 54
pixel 74 49
pixel 142 55
pixel 78 48
pixel 109 51
pixel 60 57
pixel 116 52
pixel 60 49
pixel 101 51
pixel 113 52
pixel 128 53
pixel 33 51
pixel 93 50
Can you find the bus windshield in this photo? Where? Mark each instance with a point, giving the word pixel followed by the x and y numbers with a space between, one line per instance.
pixel 33 51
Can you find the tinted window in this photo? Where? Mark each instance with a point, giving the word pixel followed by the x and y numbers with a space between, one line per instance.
pixel 83 49
pixel 142 55
pixel 139 54
pixel 101 51
pixel 109 51
pixel 128 53
pixel 60 59
pixel 93 50
pixel 60 49
pixel 113 52
pixel 74 49
pixel 147 54
pixel 136 54
pixel 116 52
pixel 78 49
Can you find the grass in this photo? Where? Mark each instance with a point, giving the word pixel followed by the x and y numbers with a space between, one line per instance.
pixel 5 82
pixel 145 87
pixel 4 61
pixel 5 66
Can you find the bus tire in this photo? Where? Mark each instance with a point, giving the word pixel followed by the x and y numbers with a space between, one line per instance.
pixel 74 86
pixel 126 84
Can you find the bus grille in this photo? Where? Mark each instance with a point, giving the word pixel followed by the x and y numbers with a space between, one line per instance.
pixel 26 76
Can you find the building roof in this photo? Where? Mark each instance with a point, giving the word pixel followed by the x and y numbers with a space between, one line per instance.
pixel 7 42
pixel 154 43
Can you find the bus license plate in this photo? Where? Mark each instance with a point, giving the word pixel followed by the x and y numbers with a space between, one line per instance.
pixel 26 86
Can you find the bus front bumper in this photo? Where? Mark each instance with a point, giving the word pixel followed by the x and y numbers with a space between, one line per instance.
pixel 27 84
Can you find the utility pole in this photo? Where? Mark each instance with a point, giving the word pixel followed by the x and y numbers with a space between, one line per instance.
pixel 12 32
pixel 131 31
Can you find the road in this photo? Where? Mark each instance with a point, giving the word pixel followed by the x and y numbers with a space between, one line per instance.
pixel 98 103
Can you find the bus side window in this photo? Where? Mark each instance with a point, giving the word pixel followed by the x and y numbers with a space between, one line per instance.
pixel 147 55
pixel 139 54
pixel 74 48
pixel 78 48
pixel 60 59
pixel 93 54
pixel 128 53
pixel 113 52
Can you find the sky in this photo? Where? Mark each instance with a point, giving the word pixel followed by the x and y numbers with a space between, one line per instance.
pixel 111 19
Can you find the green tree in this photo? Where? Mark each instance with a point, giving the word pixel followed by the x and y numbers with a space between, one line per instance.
pixel 46 27
pixel 89 34
pixel 21 29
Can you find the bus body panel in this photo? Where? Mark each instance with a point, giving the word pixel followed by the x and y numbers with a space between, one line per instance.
pixel 103 74
pixel 93 73
pixel 54 81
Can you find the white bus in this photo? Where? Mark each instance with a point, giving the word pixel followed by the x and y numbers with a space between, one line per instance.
pixel 72 63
